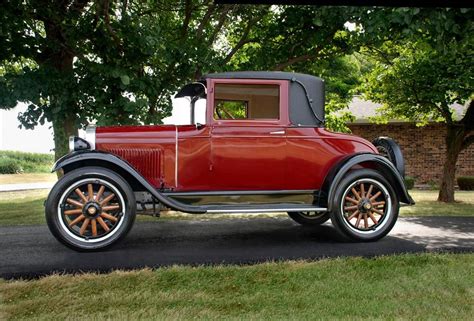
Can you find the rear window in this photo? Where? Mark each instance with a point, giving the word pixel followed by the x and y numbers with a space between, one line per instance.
pixel 242 101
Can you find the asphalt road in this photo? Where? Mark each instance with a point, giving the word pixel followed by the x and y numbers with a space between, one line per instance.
pixel 31 251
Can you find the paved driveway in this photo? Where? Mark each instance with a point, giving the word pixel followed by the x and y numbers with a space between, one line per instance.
pixel 30 251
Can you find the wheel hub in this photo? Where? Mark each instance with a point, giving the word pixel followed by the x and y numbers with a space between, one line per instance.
pixel 365 205
pixel 92 210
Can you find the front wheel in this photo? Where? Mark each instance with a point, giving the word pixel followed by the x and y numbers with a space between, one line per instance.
pixel 90 208
pixel 365 206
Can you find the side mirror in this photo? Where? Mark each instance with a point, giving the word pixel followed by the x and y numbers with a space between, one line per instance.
pixel 199 126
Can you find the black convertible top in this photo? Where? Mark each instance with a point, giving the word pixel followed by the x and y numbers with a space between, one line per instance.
pixel 306 93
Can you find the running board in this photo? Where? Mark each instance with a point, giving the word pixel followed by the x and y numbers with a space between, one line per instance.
pixel 263 208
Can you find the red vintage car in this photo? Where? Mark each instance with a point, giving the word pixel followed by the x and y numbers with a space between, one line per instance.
pixel 263 148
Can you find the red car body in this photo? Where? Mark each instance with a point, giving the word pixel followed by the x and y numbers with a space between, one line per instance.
pixel 232 155
pixel 263 148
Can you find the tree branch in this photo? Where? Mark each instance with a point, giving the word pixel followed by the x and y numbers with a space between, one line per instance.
pixel 108 26
pixel 124 8
pixel 294 60
pixel 244 38
pixel 78 5
pixel 305 57
pixel 188 9
pixel 382 54
pixel 205 20
pixel 220 24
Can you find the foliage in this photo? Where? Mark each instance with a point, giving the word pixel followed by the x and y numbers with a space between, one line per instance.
pixel 118 62
pixel 423 63
pixel 25 162
pixel 342 76
pixel 419 83
pixel 109 61
pixel 290 37
pixel 9 166
pixel 409 182
pixel 466 183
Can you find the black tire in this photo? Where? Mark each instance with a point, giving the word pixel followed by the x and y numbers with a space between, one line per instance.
pixel 347 223
pixel 307 219
pixel 100 237
pixel 388 148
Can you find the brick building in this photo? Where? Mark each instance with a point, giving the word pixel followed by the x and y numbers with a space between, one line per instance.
pixel 423 147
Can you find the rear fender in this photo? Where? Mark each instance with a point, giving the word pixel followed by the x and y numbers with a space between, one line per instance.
pixel 79 159
pixel 365 160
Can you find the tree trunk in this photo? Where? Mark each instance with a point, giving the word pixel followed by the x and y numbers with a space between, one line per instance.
pixel 63 128
pixel 454 141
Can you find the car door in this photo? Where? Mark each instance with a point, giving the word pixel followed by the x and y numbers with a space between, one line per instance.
pixel 248 134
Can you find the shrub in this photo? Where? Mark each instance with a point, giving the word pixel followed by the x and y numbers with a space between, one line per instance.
pixel 28 162
pixel 409 182
pixel 9 166
pixel 466 183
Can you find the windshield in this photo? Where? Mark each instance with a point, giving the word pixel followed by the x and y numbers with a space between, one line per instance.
pixel 182 112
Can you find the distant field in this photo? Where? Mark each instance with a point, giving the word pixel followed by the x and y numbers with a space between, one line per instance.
pixel 12 162
pixel 399 287
pixel 26 207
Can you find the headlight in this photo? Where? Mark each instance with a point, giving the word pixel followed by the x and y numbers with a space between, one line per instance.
pixel 77 143
pixel 90 136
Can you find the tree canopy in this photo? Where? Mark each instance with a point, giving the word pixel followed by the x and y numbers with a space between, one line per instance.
pixel 423 64
pixel 118 62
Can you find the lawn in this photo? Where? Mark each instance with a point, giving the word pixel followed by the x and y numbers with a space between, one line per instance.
pixel 411 286
pixel 26 207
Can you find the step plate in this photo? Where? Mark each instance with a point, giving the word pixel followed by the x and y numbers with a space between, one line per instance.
pixel 261 209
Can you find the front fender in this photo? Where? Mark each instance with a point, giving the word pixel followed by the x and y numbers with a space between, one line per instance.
pixel 383 165
pixel 100 158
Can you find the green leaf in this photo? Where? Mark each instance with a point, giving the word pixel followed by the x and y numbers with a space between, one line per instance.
pixel 125 80
pixel 318 22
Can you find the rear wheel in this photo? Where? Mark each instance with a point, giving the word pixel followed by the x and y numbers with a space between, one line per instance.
pixel 365 206
pixel 90 208
pixel 309 218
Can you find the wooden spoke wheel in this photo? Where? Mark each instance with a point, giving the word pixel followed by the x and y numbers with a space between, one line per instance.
pixel 313 215
pixel 309 218
pixel 365 205
pixel 90 208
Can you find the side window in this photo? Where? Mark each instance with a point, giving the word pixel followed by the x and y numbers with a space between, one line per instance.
pixel 241 101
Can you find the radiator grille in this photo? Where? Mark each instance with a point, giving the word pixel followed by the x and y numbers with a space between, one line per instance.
pixel 146 161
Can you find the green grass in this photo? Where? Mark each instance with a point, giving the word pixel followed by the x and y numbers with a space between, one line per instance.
pixel 426 204
pixel 23 207
pixel 26 207
pixel 420 287
pixel 28 162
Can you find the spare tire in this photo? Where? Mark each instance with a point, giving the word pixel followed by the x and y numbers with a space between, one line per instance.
pixel 388 148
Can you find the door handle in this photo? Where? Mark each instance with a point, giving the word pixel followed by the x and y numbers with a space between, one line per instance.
pixel 279 132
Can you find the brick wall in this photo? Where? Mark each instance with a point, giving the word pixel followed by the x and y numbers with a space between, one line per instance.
pixel 423 148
